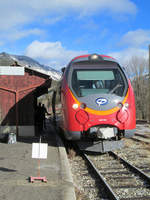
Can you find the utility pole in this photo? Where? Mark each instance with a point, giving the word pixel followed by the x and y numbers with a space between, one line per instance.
pixel 149 86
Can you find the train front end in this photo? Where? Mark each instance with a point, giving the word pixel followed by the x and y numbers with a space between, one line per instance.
pixel 98 100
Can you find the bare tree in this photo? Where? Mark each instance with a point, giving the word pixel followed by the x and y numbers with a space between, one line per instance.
pixel 137 68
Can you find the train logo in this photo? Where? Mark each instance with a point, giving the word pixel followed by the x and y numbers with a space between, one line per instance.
pixel 101 101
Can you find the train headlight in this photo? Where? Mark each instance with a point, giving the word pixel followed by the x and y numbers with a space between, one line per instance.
pixel 126 105
pixel 82 117
pixel 75 106
pixel 95 57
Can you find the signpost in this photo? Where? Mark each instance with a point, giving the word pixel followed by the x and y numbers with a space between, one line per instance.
pixel 39 151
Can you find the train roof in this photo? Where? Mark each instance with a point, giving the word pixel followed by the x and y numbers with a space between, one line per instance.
pixel 92 57
pixel 95 58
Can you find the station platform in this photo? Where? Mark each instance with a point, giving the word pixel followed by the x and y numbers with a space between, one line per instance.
pixel 17 165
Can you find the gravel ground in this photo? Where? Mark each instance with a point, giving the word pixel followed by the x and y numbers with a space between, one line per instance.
pixel 137 153
pixel 86 185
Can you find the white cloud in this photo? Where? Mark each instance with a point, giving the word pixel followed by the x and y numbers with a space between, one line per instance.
pixel 84 6
pixel 52 20
pixel 6 37
pixel 119 6
pixel 135 44
pixel 17 34
pixel 136 38
pixel 51 53
pixel 124 56
pixel 22 12
pixel 15 16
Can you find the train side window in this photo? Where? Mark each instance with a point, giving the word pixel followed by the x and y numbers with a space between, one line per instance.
pixel 75 84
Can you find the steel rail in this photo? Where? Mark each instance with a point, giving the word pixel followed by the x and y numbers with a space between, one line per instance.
pixel 135 169
pixel 111 194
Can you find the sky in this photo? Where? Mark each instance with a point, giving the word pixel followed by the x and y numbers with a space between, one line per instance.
pixel 55 31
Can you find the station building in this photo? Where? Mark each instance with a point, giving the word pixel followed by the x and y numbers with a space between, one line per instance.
pixel 19 89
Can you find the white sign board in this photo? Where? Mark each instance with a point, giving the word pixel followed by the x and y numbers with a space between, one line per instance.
pixel 39 150
pixel 11 70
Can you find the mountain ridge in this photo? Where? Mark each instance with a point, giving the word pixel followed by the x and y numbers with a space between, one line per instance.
pixel 25 61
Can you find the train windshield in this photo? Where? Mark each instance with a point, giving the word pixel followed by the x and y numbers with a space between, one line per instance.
pixel 99 81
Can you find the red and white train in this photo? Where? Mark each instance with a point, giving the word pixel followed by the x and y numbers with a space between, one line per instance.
pixel 97 102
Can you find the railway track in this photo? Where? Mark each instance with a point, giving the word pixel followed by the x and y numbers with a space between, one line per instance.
pixel 142 133
pixel 121 180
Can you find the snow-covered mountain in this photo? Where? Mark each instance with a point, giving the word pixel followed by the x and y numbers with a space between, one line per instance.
pixel 8 59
